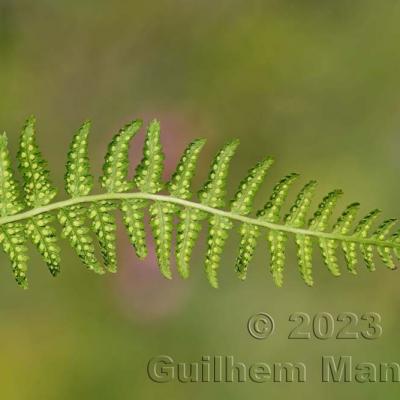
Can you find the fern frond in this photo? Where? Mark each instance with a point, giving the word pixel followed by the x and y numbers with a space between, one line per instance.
pixel 78 180
pixel 43 236
pixel 116 163
pixel 296 218
pixel 320 223
pixel 276 239
pixel 12 240
pixel 181 181
pixel 189 220
pixel 380 234
pixel 213 192
pixel 361 231
pixel 39 191
pixel 105 227
pixel 12 235
pixel 133 217
pixel 213 195
pixel 10 196
pixel 149 171
pixel 32 215
pixel 162 226
pixel 73 221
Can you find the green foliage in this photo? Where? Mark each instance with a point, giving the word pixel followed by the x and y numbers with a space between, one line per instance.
pixel 39 191
pixel 78 180
pixel 149 171
pixel 104 226
pixel 133 216
pixel 116 162
pixel 82 214
pixel 43 235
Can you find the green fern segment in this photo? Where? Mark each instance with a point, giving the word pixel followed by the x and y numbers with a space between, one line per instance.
pixel 10 197
pixel 43 236
pixel 188 231
pixel 242 204
pixel 342 227
pixel 149 171
pixel 32 215
pixel 248 242
pixel 12 240
pixel 78 180
pixel 180 183
pixel 219 227
pixel 73 221
pixel 277 239
pixel 320 223
pixel 213 192
pixel 116 162
pixel 296 218
pixel 362 231
pixel 104 226
pixel 162 226
pixel 39 191
pixel 133 216
pixel 12 236
pixel 380 234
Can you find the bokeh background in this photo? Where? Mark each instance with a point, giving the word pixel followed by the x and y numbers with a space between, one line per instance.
pixel 314 84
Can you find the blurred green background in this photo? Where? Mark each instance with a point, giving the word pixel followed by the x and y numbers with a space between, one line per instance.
pixel 314 84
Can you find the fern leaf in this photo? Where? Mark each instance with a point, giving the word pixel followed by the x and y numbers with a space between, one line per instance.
pixel 114 180
pixel 115 167
pixel 248 242
pixel 320 223
pixel 10 197
pixel 78 180
pixel 242 205
pixel 104 225
pixel 189 220
pixel 188 230
pixel 133 217
pixel 12 240
pixel 395 239
pixel 162 226
pixel 213 195
pixel 219 227
pixel 39 191
pixel 361 231
pixel 12 236
pixel 277 239
pixel 213 192
pixel 180 183
pixel 296 218
pixel 342 227
pixel 82 211
pixel 149 171
pixel 43 235
pixel 73 222
pixel 380 234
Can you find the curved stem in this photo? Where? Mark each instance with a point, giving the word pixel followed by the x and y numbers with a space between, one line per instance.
pixel 186 203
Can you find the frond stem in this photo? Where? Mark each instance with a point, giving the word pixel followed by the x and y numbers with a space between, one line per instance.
pixel 186 203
